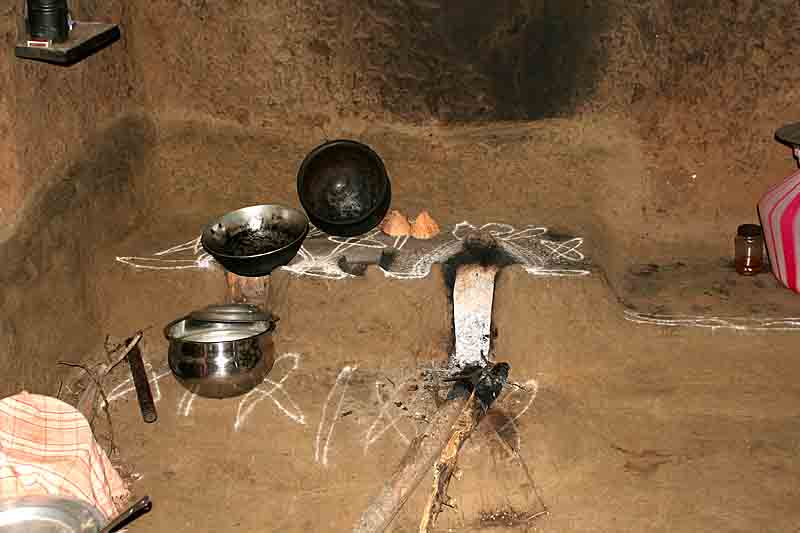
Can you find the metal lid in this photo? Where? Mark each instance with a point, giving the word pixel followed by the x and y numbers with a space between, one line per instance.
pixel 231 313
pixel 789 134
pixel 749 230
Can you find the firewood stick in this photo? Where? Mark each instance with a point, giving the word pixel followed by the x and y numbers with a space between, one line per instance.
pixel 417 461
pixel 423 451
pixel 486 390
pixel 468 420
pixel 142 385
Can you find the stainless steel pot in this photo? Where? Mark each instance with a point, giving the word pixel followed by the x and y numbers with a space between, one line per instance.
pixel 222 351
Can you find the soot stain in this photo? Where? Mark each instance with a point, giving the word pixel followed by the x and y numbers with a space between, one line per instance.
pixel 478 249
pixel 476 60
pixel 271 235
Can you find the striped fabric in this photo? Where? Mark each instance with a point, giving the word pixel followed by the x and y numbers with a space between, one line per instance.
pixel 47 448
pixel 779 210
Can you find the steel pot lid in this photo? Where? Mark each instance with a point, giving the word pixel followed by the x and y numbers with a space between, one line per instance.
pixel 231 313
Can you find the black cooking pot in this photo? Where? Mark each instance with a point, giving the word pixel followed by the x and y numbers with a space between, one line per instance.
pixel 253 241
pixel 344 188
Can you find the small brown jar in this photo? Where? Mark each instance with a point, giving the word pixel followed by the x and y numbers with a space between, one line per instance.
pixel 749 248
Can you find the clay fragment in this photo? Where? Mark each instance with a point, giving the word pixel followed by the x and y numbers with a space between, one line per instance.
pixel 396 224
pixel 424 227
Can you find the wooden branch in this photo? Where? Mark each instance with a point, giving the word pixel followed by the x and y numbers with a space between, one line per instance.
pixel 468 420
pixel 417 461
pixel 449 428
pixel 486 389
pixel 88 398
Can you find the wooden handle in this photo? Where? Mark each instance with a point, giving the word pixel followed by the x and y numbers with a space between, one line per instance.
pixel 145 396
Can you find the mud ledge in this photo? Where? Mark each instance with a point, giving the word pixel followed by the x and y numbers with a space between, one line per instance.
pixel 148 184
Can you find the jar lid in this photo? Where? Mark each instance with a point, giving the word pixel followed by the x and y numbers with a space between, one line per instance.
pixel 749 230
pixel 789 134
pixel 231 313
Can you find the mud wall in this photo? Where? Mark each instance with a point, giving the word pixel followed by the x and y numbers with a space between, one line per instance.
pixel 69 142
pixel 707 84
pixel 704 85
pixel 10 187
pixel 700 87
pixel 410 60
pixel 50 112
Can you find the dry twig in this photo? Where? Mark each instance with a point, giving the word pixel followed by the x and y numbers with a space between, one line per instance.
pixel 87 399
pixel 449 428
pixel 99 388
pixel 421 454
pixel 467 421
pixel 485 388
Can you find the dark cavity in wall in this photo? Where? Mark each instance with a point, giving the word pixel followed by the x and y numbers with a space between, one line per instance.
pixel 473 60
pixel 478 249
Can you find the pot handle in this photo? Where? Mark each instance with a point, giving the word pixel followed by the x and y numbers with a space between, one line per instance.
pixel 169 326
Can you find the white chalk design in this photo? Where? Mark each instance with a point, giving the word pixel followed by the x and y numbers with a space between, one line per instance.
pixel 126 386
pixel 275 391
pixel 385 421
pixel 320 255
pixel 531 389
pixel 326 265
pixel 529 246
pixel 337 394
pixel 269 389
pixel 196 258
pixel 715 322
pixel 186 403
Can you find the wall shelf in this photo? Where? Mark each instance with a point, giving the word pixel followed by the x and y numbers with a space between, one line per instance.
pixel 86 38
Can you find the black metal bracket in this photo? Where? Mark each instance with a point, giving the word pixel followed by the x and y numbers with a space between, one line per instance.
pixel 85 39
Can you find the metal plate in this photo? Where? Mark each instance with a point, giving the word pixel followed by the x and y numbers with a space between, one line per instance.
pixel 49 514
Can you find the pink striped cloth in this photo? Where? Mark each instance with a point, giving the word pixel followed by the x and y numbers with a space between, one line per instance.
pixel 779 210
pixel 47 448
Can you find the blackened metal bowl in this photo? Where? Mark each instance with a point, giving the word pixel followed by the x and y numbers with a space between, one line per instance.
pixel 253 241
pixel 344 188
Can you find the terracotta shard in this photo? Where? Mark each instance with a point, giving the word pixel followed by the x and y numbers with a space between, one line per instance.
pixel 396 224
pixel 424 227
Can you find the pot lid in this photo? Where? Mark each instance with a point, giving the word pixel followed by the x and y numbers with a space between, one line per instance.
pixel 231 313
pixel 789 134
